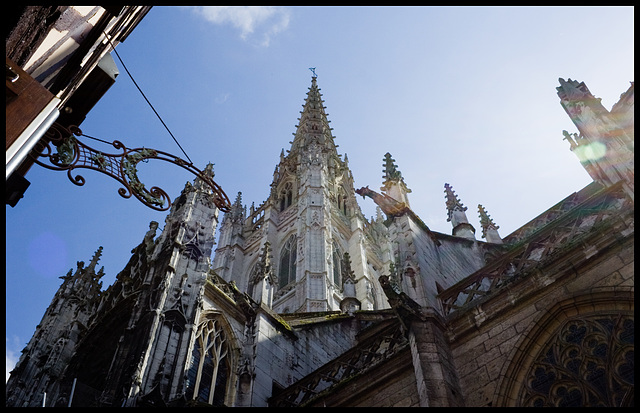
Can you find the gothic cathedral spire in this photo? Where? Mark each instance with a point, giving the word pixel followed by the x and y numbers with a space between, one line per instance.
pixel 309 222
pixel 313 126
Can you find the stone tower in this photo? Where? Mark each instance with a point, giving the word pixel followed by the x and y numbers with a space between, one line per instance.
pixel 130 342
pixel 52 346
pixel 604 142
pixel 179 264
pixel 311 221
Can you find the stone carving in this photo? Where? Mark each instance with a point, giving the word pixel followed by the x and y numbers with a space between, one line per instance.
pixel 389 206
pixel 586 363
pixel 453 202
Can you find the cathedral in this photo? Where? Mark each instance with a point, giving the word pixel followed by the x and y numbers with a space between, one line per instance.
pixel 308 303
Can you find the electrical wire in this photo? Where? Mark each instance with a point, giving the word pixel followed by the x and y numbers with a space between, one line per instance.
pixel 145 98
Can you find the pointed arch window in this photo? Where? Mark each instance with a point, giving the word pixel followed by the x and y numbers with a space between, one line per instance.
pixel 288 257
pixel 588 362
pixel 341 201
pixel 209 372
pixel 286 196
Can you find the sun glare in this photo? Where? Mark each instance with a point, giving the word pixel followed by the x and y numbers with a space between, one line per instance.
pixel 591 151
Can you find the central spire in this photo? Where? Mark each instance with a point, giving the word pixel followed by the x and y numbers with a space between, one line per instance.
pixel 313 126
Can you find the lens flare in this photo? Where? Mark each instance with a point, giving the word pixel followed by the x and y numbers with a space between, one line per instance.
pixel 591 151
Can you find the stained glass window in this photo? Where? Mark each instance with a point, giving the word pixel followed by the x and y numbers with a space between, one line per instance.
pixel 288 256
pixel 587 363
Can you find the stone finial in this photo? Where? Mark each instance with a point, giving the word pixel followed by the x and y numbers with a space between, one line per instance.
pixel 452 201
pixel 390 170
pixel 379 217
pixel 237 210
pixel 349 303
pixel 347 272
pixel 489 228
pixel 391 174
pixel 265 262
pixel 208 170
pixel 262 279
pixel 393 183
pixel 95 259
pixel 571 138
pixel 238 201
pixel 207 173
pixel 457 216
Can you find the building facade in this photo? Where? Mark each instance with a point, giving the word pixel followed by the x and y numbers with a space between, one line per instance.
pixel 308 303
pixel 58 66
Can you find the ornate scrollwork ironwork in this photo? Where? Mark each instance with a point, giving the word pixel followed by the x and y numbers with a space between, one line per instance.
pixel 70 154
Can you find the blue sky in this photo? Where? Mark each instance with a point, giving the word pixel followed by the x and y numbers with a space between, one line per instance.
pixel 462 95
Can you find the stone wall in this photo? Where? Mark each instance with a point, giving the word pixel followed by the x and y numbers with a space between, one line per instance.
pixel 285 356
pixel 491 355
pixel 393 384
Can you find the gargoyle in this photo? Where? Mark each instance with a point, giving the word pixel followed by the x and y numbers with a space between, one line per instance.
pixel 393 208
pixel 389 206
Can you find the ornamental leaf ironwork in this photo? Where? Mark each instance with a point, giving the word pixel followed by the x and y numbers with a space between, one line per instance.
pixel 65 152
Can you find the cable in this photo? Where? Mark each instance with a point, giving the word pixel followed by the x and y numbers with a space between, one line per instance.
pixel 145 98
pixel 99 140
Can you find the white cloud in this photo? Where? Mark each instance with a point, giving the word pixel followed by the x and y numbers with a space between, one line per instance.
pixel 260 22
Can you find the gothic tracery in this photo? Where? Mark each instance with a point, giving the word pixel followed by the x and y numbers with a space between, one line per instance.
pixel 589 362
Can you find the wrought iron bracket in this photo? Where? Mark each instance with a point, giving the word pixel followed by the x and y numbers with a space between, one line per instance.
pixel 70 154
